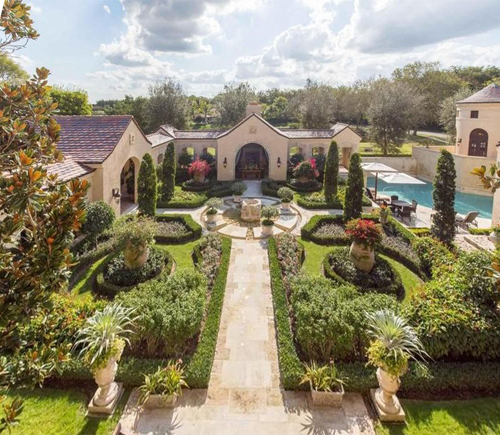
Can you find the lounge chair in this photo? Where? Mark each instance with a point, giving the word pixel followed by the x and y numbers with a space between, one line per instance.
pixel 467 221
pixel 380 199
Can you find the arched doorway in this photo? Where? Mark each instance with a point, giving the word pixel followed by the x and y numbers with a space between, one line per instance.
pixel 127 185
pixel 478 143
pixel 252 162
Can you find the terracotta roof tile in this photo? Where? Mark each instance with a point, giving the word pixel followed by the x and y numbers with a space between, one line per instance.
pixel 490 94
pixel 91 139
pixel 198 134
pixel 68 169
pixel 158 139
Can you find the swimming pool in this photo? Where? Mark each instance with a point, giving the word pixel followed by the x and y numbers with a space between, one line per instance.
pixel 422 193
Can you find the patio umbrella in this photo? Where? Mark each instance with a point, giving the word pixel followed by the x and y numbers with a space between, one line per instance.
pixel 400 178
pixel 375 168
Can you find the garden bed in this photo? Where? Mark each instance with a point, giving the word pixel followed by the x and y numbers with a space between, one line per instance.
pixel 187 229
pixel 183 199
pixel 317 201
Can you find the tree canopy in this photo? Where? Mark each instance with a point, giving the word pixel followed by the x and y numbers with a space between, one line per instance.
pixel 71 101
pixel 231 103
pixel 11 71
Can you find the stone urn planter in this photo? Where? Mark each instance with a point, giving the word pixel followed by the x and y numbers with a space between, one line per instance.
pixel 363 256
pixel 327 398
pixel 304 180
pixel 211 218
pixel 159 401
pixel 384 397
pixel 285 206
pixel 494 238
pixel 199 177
pixel 267 230
pixel 135 256
pixel 108 392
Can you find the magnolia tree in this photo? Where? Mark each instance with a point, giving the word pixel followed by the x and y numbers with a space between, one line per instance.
pixel 39 213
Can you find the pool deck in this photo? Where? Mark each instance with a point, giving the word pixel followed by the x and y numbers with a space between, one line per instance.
pixel 423 219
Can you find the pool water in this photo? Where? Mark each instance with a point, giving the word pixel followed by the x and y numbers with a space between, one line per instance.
pixel 422 193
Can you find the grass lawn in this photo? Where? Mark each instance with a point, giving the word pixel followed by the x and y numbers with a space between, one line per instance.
pixel 406 147
pixel 315 255
pixel 181 254
pixel 468 417
pixel 62 412
pixel 83 286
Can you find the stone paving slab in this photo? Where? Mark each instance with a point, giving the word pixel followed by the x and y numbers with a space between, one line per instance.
pixel 244 395
pixel 257 232
pixel 234 231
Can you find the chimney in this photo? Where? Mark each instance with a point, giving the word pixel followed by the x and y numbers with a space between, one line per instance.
pixel 254 107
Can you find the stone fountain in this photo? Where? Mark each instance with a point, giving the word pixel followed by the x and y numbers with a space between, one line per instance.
pixel 250 210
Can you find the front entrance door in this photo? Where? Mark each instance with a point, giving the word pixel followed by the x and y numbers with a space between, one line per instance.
pixel 252 162
pixel 478 143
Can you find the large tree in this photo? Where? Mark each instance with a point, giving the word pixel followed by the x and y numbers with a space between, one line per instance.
pixel 331 171
pixel 128 106
pixel 392 111
pixel 353 201
pixel 168 170
pixel 39 213
pixel 448 113
pixel 11 71
pixel 147 186
pixel 71 101
pixel 168 104
pixel 476 77
pixel 231 103
pixel 314 105
pixel 443 195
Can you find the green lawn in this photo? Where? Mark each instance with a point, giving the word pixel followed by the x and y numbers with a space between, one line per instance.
pixel 468 417
pixel 406 148
pixel 83 286
pixel 62 412
pixel 315 255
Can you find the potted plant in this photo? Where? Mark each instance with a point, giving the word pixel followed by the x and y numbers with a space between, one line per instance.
pixel 238 189
pixel 495 236
pixel 306 171
pixel 384 213
pixel 393 344
pixel 365 234
pixel 102 341
pixel 286 195
pixel 268 213
pixel 162 388
pixel 135 234
pixel 212 204
pixel 327 389
pixel 199 169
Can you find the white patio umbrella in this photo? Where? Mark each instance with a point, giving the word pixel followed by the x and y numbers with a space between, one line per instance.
pixel 400 178
pixel 375 168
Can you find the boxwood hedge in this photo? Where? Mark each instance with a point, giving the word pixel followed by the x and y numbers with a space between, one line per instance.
pixel 194 229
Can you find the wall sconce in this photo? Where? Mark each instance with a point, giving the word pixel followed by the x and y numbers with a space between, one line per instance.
pixel 224 163
pixel 498 144
pixel 116 193
pixel 459 141
pixel 279 162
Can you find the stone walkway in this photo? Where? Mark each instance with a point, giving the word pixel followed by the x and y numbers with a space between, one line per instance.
pixel 244 395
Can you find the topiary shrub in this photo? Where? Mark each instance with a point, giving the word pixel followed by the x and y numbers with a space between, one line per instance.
pixel 168 171
pixel 147 186
pixel 331 172
pixel 432 254
pixel 443 195
pixel 353 201
pixel 99 218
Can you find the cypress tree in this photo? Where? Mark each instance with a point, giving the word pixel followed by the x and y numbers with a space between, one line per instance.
pixel 353 202
pixel 147 186
pixel 168 169
pixel 443 195
pixel 331 171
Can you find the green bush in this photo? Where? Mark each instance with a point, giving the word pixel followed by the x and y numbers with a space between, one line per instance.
pixel 382 279
pixel 432 254
pixel 168 173
pixel 99 218
pixel 194 229
pixel 147 186
pixel 182 199
pixel 271 187
pixel 353 202
pixel 310 186
pixel 171 312
pixel 421 232
pixel 331 171
pixel 480 231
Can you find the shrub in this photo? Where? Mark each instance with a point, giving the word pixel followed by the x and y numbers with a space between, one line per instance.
pixel 171 313
pixel 331 231
pixel 353 205
pixel 304 187
pixel 135 230
pixel 200 167
pixel 184 199
pixel 382 279
pixel 295 159
pixel 99 218
pixel 210 251
pixel 286 194
pixel 207 157
pixel 269 212
pixel 192 229
pixel 271 187
pixel 147 186
pixel 168 173
pixel 331 171
pixel 443 195
pixel 364 232
pixel 432 254
pixel 185 159
pixel 171 229
pixel 289 253
pixel 238 188
pixel 213 204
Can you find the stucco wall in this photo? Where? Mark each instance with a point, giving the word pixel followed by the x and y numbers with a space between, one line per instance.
pixel 488 120
pixel 466 182
pixel 401 164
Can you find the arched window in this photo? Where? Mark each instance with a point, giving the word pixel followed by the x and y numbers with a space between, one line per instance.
pixel 160 159
pixel 318 151
pixel 478 143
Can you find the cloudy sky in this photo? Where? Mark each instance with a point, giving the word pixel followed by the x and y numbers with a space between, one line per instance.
pixel 117 47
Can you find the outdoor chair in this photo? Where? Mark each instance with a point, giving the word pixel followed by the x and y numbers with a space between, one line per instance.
pixel 379 199
pixel 414 205
pixel 467 221
pixel 394 198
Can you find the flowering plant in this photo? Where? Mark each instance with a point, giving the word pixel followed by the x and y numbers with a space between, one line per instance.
pixel 306 169
pixel 364 232
pixel 199 167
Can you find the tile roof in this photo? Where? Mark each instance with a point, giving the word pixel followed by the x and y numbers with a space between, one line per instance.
pixel 490 94
pixel 91 139
pixel 198 134
pixel 314 133
pixel 158 139
pixel 68 169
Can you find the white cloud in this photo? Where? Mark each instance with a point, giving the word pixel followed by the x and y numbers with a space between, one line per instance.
pixel 35 9
pixel 106 8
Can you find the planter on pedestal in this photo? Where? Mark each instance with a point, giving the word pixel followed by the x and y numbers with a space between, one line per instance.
pixel 385 400
pixel 267 229
pixel 199 177
pixel 304 180
pixel 363 256
pixel 135 256
pixel 211 217
pixel 109 392
pixel 285 206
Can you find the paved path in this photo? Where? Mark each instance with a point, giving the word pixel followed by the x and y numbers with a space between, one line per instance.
pixel 244 395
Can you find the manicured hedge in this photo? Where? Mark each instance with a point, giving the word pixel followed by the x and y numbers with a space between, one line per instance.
pixel 200 365
pixel 270 187
pixel 196 201
pixel 194 228
pixel 336 204
pixel 421 232
pixel 308 188
pixel 109 290
pixel 480 231
pixel 291 369
pixel 196 187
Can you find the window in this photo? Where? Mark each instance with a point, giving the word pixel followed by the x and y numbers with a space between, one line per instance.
pixel 474 113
